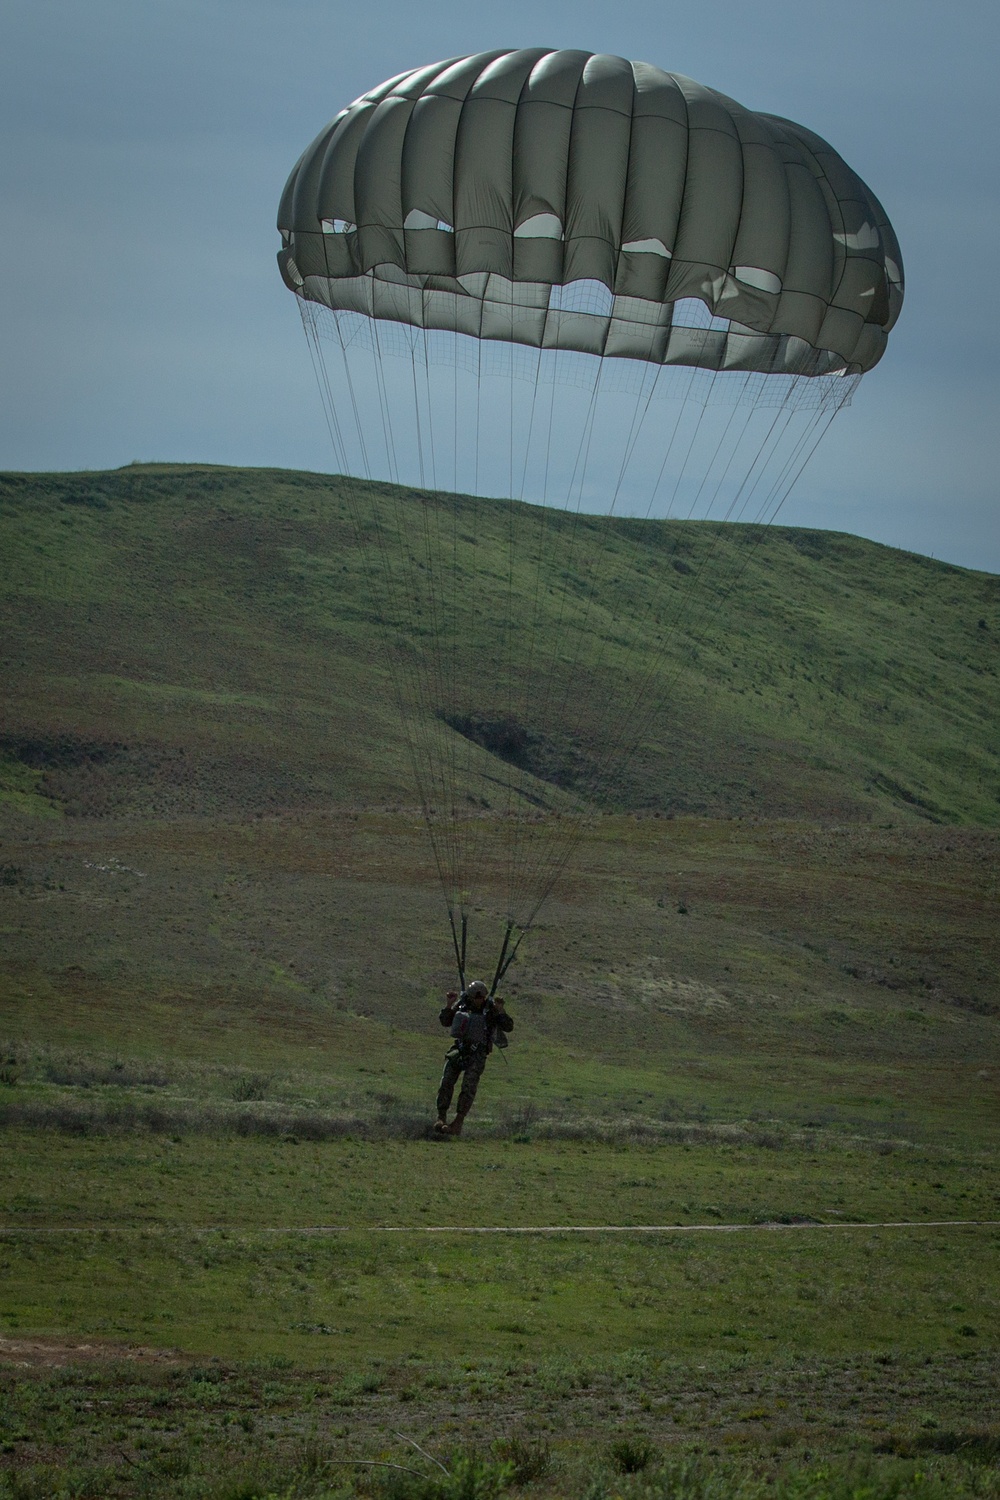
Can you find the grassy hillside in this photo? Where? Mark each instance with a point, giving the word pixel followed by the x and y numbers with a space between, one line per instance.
pixel 686 971
pixel 199 640
pixel 187 649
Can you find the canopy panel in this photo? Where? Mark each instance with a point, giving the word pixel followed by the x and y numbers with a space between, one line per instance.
pixel 579 201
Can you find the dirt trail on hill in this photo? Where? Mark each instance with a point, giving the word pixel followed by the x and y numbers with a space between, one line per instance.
pixel 769 1225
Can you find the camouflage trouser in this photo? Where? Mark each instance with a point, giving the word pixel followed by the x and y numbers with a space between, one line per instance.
pixel 471 1064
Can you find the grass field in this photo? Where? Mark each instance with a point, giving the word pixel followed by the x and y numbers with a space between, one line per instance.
pixel 233 1265
pixel 204 1242
pixel 173 1338
pixel 204 1062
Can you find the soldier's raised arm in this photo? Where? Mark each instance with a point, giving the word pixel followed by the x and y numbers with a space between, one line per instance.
pixel 504 1021
pixel 447 1013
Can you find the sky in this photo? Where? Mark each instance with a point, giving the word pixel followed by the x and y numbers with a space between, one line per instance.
pixel 146 142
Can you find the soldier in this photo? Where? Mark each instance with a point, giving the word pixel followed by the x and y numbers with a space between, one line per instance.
pixel 474 1020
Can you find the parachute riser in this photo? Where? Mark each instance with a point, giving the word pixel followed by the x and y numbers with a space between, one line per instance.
pixel 459 944
pixel 508 951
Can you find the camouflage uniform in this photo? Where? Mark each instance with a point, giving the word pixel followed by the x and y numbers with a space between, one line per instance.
pixel 473 1032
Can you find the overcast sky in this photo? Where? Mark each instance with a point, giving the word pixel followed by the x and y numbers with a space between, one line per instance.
pixel 146 142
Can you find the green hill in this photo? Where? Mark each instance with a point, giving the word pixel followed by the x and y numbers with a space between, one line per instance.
pixel 194 640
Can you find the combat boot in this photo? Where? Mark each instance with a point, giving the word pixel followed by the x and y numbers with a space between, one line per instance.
pixel 455 1128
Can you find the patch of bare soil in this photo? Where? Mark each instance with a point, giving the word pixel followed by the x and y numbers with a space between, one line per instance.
pixel 54 1353
pixel 641 986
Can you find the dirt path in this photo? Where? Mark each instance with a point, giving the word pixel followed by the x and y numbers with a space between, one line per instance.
pixel 768 1226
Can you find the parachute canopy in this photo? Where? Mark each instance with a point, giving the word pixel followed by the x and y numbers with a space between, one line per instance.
pixel 578 201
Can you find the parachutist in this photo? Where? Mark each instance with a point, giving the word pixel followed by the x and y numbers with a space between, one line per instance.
pixel 474 1018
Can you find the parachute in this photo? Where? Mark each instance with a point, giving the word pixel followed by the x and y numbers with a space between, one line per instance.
pixel 588 287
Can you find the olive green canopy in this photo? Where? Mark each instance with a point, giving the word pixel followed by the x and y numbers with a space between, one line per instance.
pixel 580 201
